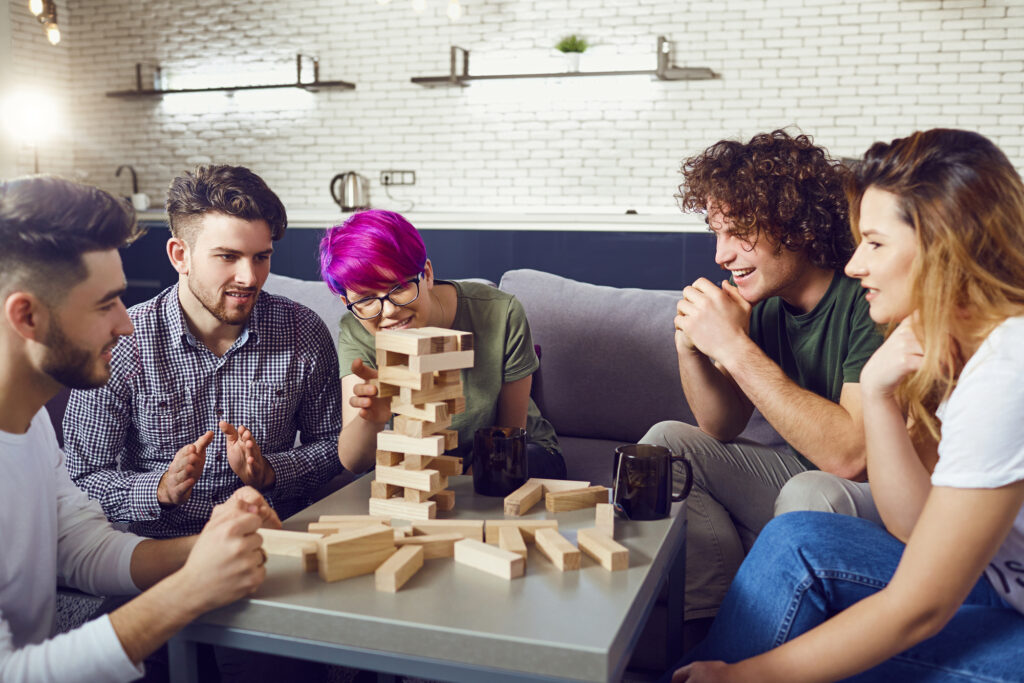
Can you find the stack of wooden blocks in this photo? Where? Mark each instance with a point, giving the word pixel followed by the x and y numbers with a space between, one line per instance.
pixel 419 370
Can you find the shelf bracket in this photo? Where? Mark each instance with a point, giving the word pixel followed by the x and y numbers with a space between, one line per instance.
pixel 667 71
pixel 453 75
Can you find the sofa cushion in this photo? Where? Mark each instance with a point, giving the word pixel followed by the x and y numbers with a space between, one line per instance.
pixel 313 294
pixel 609 367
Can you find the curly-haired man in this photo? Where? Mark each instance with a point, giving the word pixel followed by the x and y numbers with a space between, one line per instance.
pixel 787 335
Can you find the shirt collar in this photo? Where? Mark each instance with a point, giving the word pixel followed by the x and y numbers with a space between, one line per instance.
pixel 175 317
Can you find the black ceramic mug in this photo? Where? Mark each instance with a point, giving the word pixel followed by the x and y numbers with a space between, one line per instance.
pixel 642 481
pixel 499 460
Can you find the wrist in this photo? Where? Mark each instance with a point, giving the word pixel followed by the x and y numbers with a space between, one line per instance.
pixel 734 352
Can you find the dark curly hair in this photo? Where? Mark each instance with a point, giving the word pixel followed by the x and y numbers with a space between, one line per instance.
pixel 776 185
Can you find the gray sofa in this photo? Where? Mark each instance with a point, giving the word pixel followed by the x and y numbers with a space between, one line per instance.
pixel 608 364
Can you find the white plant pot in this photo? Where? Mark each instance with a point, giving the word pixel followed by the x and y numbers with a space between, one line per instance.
pixel 572 61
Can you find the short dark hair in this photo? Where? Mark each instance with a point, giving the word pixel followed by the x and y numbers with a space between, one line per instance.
pixel 778 185
pixel 47 223
pixel 232 190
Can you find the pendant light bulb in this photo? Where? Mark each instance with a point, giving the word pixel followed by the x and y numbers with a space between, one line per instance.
pixel 418 6
pixel 35 7
pixel 52 32
pixel 454 10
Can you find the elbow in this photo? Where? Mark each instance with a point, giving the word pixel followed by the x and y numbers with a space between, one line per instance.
pixel 852 465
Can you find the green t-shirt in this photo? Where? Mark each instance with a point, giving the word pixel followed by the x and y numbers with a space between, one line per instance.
pixel 503 352
pixel 824 348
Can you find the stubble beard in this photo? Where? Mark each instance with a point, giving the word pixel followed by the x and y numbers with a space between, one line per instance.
pixel 72 365
pixel 216 306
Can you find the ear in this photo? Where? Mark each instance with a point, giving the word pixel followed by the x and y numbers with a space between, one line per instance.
pixel 179 254
pixel 27 315
pixel 428 274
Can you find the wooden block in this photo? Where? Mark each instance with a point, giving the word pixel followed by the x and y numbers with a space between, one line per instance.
pixel 451 439
pixel 445 500
pixel 384 390
pixel 511 540
pixel 470 528
pixel 418 496
pixel 441 392
pixel 430 412
pixel 456 405
pixel 563 501
pixel 442 340
pixel 331 528
pixel 347 519
pixel 600 546
pixel 388 458
pixel 423 480
pixel 400 534
pixel 408 342
pixel 402 376
pixel 390 440
pixel 527 527
pixel 605 519
pixel 447 376
pixel 556 485
pixel 434 545
pixel 403 509
pixel 309 562
pixel 447 465
pixel 354 553
pixel 454 360
pixel 523 498
pixel 496 561
pixel 380 489
pixel 410 426
pixel 558 549
pixel 464 341
pixel 289 543
pixel 398 569
pixel 391 359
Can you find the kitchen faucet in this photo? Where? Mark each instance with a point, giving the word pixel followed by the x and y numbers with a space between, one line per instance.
pixel 135 180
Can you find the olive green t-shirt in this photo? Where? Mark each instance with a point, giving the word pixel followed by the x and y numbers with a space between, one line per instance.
pixel 503 352
pixel 824 348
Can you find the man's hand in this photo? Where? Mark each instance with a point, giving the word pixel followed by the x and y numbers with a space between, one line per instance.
pixel 175 486
pixel 226 562
pixel 900 355
pixel 371 408
pixel 703 672
pixel 245 457
pixel 710 318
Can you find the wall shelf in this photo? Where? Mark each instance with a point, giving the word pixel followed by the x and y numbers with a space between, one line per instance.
pixel 310 85
pixel 665 71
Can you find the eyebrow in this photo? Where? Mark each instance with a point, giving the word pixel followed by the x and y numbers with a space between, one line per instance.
pixel 113 294
pixel 228 250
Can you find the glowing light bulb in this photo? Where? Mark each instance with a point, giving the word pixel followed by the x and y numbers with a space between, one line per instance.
pixel 454 10
pixel 52 32
pixel 35 7
pixel 419 6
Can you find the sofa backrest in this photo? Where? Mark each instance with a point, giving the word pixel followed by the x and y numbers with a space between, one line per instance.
pixel 608 363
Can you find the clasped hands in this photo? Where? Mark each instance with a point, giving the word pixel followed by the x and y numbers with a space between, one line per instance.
pixel 244 457
pixel 710 318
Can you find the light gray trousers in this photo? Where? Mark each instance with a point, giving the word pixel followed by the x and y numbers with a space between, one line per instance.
pixel 735 490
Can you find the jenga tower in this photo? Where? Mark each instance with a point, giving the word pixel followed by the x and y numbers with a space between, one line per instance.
pixel 419 371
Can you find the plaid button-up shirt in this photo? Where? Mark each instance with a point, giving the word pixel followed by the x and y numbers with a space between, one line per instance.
pixel 278 378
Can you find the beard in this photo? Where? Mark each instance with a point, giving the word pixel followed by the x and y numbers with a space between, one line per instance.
pixel 71 365
pixel 217 306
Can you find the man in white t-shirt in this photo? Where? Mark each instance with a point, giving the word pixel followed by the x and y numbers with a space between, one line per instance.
pixel 60 286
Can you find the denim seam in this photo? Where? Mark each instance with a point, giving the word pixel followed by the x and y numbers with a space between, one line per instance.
pixel 782 635
pixel 968 675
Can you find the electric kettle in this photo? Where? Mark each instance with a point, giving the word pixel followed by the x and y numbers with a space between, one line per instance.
pixel 350 191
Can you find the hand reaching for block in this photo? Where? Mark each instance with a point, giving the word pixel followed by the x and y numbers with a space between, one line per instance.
pixel 371 407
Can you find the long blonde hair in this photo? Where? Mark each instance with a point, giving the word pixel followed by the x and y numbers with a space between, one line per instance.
pixel 965 202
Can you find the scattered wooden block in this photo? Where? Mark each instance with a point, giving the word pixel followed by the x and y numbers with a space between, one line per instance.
pixel 434 545
pixel 511 540
pixel 451 439
pixel 527 527
pixel 563 501
pixel 453 360
pixel 470 528
pixel 428 412
pixel 380 489
pixel 605 519
pixel 352 519
pixel 289 543
pixel 398 569
pixel 330 528
pixel 442 392
pixel 556 485
pixel 390 440
pixel 523 498
pixel 445 500
pixel 401 533
pixel 496 561
pixel 600 546
pixel 309 562
pixel 558 549
pixel 423 480
pixel 410 426
pixel 403 509
pixel 447 465
pixel 354 553
pixel 388 458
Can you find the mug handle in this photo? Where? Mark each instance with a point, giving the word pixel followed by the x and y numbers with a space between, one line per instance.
pixel 676 498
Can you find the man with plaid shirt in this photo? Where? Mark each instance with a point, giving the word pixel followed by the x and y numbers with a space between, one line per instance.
pixel 208 393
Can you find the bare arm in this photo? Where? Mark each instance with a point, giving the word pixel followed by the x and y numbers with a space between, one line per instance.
pixel 363 416
pixel 719 406
pixel 513 402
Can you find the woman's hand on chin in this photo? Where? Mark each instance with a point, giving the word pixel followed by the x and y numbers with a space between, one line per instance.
pixel 900 355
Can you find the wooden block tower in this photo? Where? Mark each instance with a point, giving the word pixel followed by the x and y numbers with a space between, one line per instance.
pixel 419 371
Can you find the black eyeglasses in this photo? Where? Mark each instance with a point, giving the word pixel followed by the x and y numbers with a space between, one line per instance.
pixel 402 294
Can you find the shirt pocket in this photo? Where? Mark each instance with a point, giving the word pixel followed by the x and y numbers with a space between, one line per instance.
pixel 271 410
pixel 166 421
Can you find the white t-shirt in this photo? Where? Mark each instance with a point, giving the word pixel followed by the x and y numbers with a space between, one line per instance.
pixel 982 442
pixel 50 528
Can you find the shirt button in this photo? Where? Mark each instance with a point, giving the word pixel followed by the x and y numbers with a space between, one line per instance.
pixel 220 411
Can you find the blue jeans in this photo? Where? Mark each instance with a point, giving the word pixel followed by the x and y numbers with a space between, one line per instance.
pixel 807 566
pixel 543 463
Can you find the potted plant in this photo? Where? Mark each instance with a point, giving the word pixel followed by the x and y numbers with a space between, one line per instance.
pixel 572 46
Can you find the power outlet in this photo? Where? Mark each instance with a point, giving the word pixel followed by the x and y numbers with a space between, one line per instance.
pixel 398 177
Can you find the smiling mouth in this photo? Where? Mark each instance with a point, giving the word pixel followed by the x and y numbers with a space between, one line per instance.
pixel 741 273
pixel 240 295
pixel 401 325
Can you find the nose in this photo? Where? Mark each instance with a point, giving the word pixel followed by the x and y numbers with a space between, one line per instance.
pixel 388 309
pixel 724 250
pixel 245 273
pixel 123 326
pixel 855 266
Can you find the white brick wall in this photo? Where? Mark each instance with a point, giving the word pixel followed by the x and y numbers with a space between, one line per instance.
pixel 847 72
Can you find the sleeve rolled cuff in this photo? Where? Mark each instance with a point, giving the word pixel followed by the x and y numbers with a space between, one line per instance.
pixel 286 476
pixel 144 505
